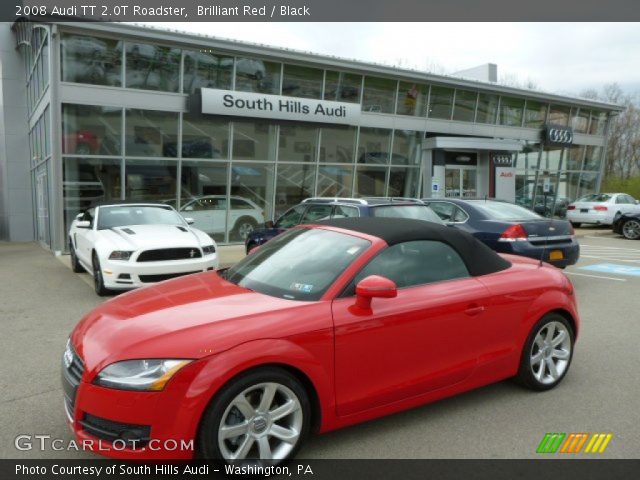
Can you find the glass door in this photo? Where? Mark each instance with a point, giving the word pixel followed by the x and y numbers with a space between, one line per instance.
pixel 460 182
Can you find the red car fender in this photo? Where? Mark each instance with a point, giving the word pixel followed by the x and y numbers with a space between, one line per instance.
pixel 264 352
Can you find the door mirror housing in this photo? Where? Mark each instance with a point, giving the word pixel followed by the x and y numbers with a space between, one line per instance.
pixel 374 286
pixel 83 224
pixel 189 220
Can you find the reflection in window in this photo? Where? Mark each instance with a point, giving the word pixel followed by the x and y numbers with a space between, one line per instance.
pixel 573 158
pixel 592 158
pixel 203 136
pixel 337 144
pixel 379 95
pixel 303 82
pixel 152 181
pixel 580 120
pixel 487 108
pixel 255 75
pixel 588 181
pixel 412 99
pixel 559 115
pixel 465 107
pixel 405 151
pixel 89 130
pixel 511 111
pixel 567 190
pixel 441 102
pixel 551 159
pixel 251 193
pixel 403 182
pixel 152 67
pixel 254 140
pixel 342 87
pixel 370 181
pixel 151 133
pixel 334 181
pixel 205 69
pixel 598 123
pixel 535 114
pixel 294 183
pixel 97 61
pixel 298 142
pixel 373 145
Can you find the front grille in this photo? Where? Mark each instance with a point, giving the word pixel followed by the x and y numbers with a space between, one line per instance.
pixel 161 277
pixel 135 436
pixel 169 254
pixel 71 377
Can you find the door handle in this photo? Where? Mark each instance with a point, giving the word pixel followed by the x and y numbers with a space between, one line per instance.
pixel 474 310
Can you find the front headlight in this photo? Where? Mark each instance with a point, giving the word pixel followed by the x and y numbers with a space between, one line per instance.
pixel 209 250
pixel 144 375
pixel 120 255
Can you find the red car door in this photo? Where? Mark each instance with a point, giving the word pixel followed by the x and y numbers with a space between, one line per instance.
pixel 426 338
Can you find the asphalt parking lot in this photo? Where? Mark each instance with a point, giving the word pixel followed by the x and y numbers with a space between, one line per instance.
pixel 42 299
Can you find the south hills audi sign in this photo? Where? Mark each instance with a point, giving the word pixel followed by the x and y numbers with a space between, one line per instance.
pixel 557 135
pixel 256 105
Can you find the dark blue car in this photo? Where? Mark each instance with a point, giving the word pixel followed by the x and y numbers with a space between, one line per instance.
pixel 315 209
pixel 510 228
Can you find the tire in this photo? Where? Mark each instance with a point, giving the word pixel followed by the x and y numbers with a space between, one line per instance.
pixel 631 229
pixel 98 280
pixel 576 224
pixel 537 374
pixel 255 438
pixel 243 227
pixel 75 264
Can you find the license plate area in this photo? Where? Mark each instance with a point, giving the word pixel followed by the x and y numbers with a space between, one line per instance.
pixel 556 255
pixel 584 210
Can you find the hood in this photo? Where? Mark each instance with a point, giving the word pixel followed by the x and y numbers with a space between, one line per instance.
pixel 188 317
pixel 137 237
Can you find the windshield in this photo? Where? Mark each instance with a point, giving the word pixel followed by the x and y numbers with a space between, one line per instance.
pixel 595 197
pixel 300 264
pixel 416 212
pixel 505 211
pixel 124 215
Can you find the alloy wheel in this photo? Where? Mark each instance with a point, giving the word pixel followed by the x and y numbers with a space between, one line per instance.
pixel 631 229
pixel 263 422
pixel 550 352
pixel 244 230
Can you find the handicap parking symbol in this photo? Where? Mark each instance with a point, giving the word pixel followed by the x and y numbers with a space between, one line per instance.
pixel 613 268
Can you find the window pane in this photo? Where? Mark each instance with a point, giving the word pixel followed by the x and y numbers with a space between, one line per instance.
pixel 441 102
pixel 580 120
pixel 587 184
pixel 334 181
pixel 559 115
pixel 535 114
pixel 294 183
pixel 412 99
pixel 403 182
pixel 152 67
pixel 203 136
pixel 405 147
pixel 573 161
pixel 86 181
pixel 254 140
pixel 511 111
pixel 379 95
pixel 370 181
pixel 205 69
pixel 337 144
pixel 150 133
pixel 487 108
pixel 465 107
pixel 592 158
pixel 203 196
pixel 251 198
pixel 567 191
pixel 551 159
pixel 342 87
pixel 91 60
pixel 298 143
pixel 254 75
pixel 89 130
pixel 316 213
pixel 373 145
pixel 153 181
pixel 598 123
pixel 303 82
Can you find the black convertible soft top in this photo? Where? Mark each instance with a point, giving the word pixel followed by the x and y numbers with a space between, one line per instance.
pixel 479 259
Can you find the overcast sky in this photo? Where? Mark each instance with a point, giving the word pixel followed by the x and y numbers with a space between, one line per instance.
pixel 558 57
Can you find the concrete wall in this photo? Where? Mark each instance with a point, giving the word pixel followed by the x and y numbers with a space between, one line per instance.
pixel 16 201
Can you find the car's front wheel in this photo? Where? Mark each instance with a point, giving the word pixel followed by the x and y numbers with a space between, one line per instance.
pixel 98 280
pixel 262 415
pixel 75 263
pixel 547 353
pixel 631 229
pixel 243 227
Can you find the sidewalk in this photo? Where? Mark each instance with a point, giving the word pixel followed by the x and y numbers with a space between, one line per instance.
pixel 595 230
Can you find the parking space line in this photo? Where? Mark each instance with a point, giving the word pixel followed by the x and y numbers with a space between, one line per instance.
pixel 597 276
pixel 610 258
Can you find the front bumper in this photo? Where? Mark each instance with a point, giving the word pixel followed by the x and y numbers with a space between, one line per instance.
pixel 123 275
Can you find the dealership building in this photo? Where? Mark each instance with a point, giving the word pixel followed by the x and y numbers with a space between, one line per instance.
pixel 234 133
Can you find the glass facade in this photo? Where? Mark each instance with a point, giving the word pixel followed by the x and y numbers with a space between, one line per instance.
pixel 152 67
pixel 89 130
pixel 302 82
pixel 342 86
pixel 441 102
pixel 379 95
pixel 464 109
pixel 412 99
pixel 97 61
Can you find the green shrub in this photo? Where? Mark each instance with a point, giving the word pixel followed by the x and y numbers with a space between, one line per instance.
pixel 615 184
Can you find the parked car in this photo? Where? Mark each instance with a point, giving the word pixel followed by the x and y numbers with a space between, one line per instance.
pixel 628 225
pixel 323 208
pixel 546 206
pixel 509 228
pixel 325 326
pixel 209 215
pixel 128 245
pixel 600 208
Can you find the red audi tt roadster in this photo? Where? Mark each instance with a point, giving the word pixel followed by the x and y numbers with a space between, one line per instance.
pixel 325 326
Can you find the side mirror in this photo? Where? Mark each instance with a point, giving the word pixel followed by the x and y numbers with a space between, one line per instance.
pixel 83 224
pixel 374 286
pixel 189 220
pixel 269 224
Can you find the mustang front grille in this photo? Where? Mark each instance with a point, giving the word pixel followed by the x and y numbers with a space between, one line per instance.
pixel 169 254
pixel 161 277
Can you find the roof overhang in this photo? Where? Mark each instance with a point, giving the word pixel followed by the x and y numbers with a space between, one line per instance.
pixel 473 143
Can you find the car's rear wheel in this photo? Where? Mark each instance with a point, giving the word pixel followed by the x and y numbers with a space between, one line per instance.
pixel 631 229
pixel 98 280
pixel 75 263
pixel 262 415
pixel 576 224
pixel 243 227
pixel 547 353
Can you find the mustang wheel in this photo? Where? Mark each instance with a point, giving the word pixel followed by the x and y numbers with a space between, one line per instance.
pixel 263 415
pixel 75 264
pixel 631 229
pixel 98 281
pixel 547 353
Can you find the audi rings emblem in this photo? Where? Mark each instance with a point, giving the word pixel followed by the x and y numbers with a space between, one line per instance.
pixel 560 135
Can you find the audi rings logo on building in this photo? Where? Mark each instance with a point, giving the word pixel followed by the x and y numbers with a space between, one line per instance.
pixel 559 135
